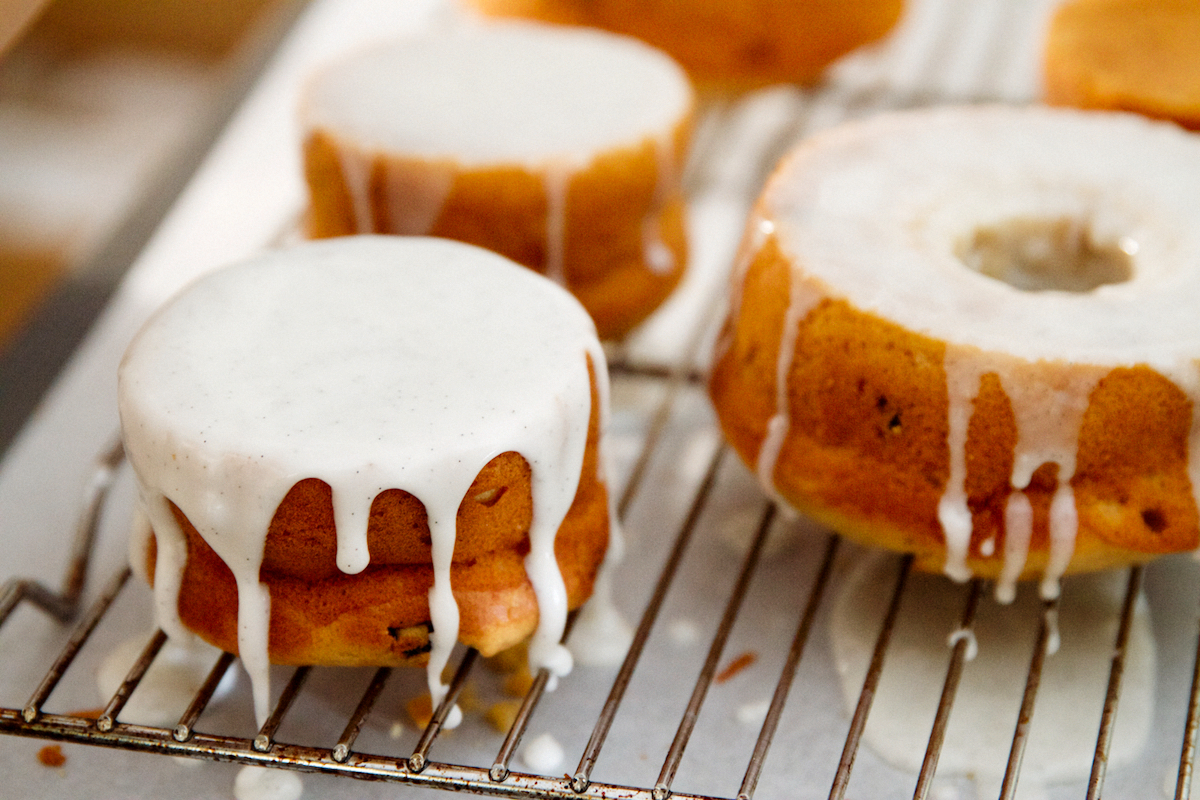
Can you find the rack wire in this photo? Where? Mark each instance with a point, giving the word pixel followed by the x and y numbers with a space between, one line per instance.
pixel 679 382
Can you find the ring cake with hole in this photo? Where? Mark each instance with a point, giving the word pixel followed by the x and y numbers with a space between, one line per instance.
pixel 971 334
pixel 363 450
pixel 729 44
pixel 559 148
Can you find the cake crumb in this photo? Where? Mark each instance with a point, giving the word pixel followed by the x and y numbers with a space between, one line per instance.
pixel 517 684
pixel 737 665
pixel 468 698
pixel 88 713
pixel 51 756
pixel 420 710
pixel 501 715
pixel 512 660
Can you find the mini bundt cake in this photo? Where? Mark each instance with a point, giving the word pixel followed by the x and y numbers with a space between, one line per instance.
pixel 729 44
pixel 970 334
pixel 362 450
pixel 559 148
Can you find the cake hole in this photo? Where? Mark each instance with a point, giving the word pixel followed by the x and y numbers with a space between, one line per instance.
pixel 1036 255
pixel 1155 520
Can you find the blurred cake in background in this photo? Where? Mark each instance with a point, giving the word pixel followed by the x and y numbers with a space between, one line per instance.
pixel 560 148
pixel 1126 55
pixel 728 44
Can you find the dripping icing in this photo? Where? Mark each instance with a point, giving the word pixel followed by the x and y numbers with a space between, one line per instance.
pixel 1018 532
pixel 557 183
pixel 356 174
pixel 962 385
pixel 802 299
pixel 658 257
pixel 1048 407
pixel 310 283
pixel 416 194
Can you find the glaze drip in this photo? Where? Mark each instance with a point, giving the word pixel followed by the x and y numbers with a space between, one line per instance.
pixel 416 195
pixel 962 381
pixel 356 174
pixel 801 300
pixel 558 184
pixel 657 256
pixel 1048 406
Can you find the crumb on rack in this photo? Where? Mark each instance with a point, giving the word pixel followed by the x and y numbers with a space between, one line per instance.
pixel 512 660
pixel 88 713
pixel 517 684
pixel 420 710
pixel 51 756
pixel 736 665
pixel 502 714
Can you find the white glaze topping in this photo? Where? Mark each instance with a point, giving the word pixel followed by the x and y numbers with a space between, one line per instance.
pixel 878 214
pixel 371 363
pixel 500 93
pixel 547 98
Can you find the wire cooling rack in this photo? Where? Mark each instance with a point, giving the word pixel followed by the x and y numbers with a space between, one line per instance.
pixel 338 755
pixel 705 577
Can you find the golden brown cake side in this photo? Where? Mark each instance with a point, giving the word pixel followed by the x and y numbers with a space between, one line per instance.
pixel 380 617
pixel 1126 55
pixel 612 206
pixel 866 450
pixel 727 44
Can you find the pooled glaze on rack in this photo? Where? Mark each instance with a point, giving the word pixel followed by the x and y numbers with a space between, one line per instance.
pixel 458 99
pixel 879 214
pixel 370 363
pixel 600 635
pixel 979 737
pixel 261 783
